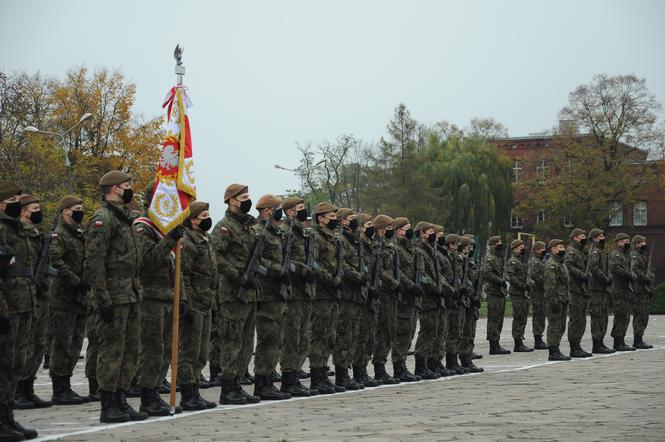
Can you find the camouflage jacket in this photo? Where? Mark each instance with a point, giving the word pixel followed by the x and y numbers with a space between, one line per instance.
pixel 272 256
pixel 493 274
pixel 389 285
pixel 404 247
pixel 472 277
pixel 326 257
pixel 555 280
pixel 157 261
pixel 516 270
pixel 535 275
pixel 621 275
pixel 199 270
pixel 233 239
pixel 355 267
pixel 112 256
pixel 36 239
pixel 18 293
pixel 599 269
pixel 446 274
pixel 432 298
pixel 644 276
pixel 298 259
pixel 66 254
pixel 575 263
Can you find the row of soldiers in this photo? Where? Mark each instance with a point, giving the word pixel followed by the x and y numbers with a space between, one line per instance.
pixel 350 286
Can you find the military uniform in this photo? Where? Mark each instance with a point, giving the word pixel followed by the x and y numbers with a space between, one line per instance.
pixel 516 275
pixel 472 311
pixel 643 287
pixel 621 293
pixel 494 287
pixel 599 302
pixel 555 279
pixel 456 308
pixel 535 270
pixel 578 293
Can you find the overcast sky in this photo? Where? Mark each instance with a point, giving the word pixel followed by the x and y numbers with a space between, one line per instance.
pixel 264 75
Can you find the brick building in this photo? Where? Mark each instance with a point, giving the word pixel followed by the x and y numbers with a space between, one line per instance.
pixel 529 157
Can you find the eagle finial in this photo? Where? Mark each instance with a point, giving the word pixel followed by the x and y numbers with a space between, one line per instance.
pixel 177 54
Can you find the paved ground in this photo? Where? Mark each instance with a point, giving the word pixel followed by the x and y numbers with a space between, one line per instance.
pixel 520 397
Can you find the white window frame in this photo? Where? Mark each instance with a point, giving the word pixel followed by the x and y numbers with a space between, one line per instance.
pixel 540 217
pixel 567 221
pixel 542 170
pixel 616 214
pixel 516 222
pixel 640 213
pixel 517 171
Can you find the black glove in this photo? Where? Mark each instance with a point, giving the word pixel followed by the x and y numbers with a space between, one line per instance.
pixel 585 278
pixel 554 306
pixel 106 313
pixel 176 233
pixel 285 278
pixel 4 325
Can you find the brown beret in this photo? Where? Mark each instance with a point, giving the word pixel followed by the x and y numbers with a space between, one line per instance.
pixel 516 243
pixel 343 212
pixel 595 232
pixel 438 228
pixel 8 189
pixel 621 236
pixel 322 208
pixel 554 242
pixel 400 222
pixel 68 201
pixel 539 245
pixel 468 235
pixel 577 231
pixel 292 201
pixel 114 177
pixel 638 239
pixel 196 208
pixel 452 238
pixel 28 199
pixel 234 190
pixel 268 201
pixel 382 222
pixel 423 226
pixel 494 240
pixel 363 217
pixel 465 241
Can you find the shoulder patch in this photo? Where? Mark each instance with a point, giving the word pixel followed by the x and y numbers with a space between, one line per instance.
pixel 139 229
pixel 99 223
pixel 54 235
pixel 553 267
pixel 224 231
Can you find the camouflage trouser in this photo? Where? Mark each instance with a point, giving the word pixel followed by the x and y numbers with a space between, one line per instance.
pixel 366 333
pixel 155 344
pixel 439 346
pixel 91 350
pixel 622 305
pixel 193 347
pixel 386 329
pixel 468 332
pixel 347 333
pixel 295 345
pixel 38 340
pixel 324 331
pixel 556 323
pixel 454 332
pixel 236 337
pixel 13 355
pixel 118 348
pixel 539 314
pixel 577 310
pixel 213 345
pixel 496 309
pixel 269 328
pixel 520 315
pixel 640 313
pixel 407 318
pixel 429 328
pixel 599 308
pixel 67 331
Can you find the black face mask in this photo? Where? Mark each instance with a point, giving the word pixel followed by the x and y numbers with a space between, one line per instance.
pixel 13 210
pixel 583 242
pixel 369 232
pixel 277 214
pixel 205 224
pixel 644 249
pixel 460 248
pixel 498 248
pixel 472 250
pixel 36 217
pixel 389 234
pixel 77 216
pixel 522 252
pixel 441 241
pixel 353 224
pixel 245 206
pixel 332 224
pixel 601 243
pixel 542 254
pixel 127 196
pixel 561 253
pixel 626 246
pixel 409 234
pixel 431 238
pixel 301 215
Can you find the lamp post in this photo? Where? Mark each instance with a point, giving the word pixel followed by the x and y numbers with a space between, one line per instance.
pixel 68 164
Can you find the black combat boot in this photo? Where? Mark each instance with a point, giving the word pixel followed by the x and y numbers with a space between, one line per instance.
pixel 318 383
pixel 165 388
pixel 134 390
pixel 496 349
pixel 520 347
pixel 326 374
pixel 111 413
pixel 452 364
pixel 203 382
pixel 365 379
pixel 229 395
pixel 402 373
pixel 380 374
pixel 202 400
pixel 576 351
pixel 29 392
pixel 639 344
pixel 121 402
pixel 357 374
pixel 61 393
pixel 262 389
pixel 27 433
pixel 539 344
pixel 477 356
pixel 188 400
pixel 93 390
pixel 246 379
pixel 276 376
pixel 151 405
pixel 468 364
pixel 21 402
pixel 422 370
pixel 606 349
pixel 342 379
pixel 7 431
pixel 291 385
pixel 248 397
pixel 555 354
pixel 215 377
pixel 620 345
pixel 433 366
pixel 178 408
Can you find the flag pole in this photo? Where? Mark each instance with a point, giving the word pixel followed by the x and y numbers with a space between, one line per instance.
pixel 175 339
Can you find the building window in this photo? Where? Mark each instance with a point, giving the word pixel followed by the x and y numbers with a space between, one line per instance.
pixel 517 171
pixel 540 217
pixel 567 221
pixel 616 213
pixel 516 221
pixel 640 213
pixel 542 169
pixel 568 166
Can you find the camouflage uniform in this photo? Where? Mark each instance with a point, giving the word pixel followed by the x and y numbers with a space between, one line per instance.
pixel 536 268
pixel 578 291
pixel 455 316
pixel 431 306
pixel 555 279
pixel 439 345
pixel 369 308
pixel 386 328
pixel 516 271
pixel 643 287
pixel 621 293
pixel 493 285
pixel 407 308
pixel 471 314
pixel 599 304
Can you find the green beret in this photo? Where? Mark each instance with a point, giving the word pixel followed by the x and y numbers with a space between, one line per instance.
pixel 343 212
pixel 595 232
pixel 577 231
pixel 323 208
pixel 114 177
pixel 452 238
pixel 234 190
pixel 28 199
pixel 621 236
pixel 554 242
pixel 291 202
pixel 400 222
pixel 68 201
pixel 638 239
pixel 516 243
pixel 423 226
pixel 539 245
pixel 8 189
pixel 494 240
pixel 196 208
pixel 382 221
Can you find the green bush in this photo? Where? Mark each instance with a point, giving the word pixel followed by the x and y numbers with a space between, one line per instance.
pixel 657 305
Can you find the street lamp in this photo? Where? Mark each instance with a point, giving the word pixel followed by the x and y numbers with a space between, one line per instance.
pixel 68 164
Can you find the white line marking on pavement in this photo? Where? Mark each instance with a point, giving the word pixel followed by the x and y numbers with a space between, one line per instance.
pixel 270 403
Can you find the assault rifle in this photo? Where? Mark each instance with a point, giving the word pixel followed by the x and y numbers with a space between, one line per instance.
pixel 253 266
